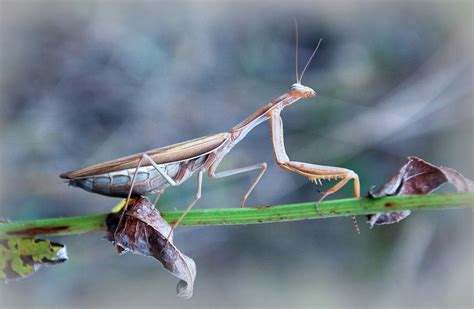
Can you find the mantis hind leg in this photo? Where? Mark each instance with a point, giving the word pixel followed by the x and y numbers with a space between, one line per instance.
pixel 124 208
pixel 157 197
pixel 196 198
pixel 132 184
pixel 185 212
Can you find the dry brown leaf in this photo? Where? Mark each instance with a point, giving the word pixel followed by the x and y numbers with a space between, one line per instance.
pixel 143 231
pixel 416 177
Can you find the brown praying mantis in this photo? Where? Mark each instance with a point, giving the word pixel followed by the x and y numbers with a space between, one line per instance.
pixel 151 172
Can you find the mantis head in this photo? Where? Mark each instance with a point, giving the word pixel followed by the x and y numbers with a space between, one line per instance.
pixel 300 91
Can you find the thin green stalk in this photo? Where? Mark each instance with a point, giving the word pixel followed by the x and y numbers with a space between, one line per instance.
pixel 250 215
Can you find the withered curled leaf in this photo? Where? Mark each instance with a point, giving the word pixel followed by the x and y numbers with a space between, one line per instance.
pixel 416 176
pixel 143 231
pixel 21 257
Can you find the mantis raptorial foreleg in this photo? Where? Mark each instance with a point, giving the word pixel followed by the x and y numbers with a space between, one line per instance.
pixel 261 166
pixel 312 171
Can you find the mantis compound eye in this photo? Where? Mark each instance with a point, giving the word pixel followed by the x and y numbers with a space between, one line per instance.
pixel 311 93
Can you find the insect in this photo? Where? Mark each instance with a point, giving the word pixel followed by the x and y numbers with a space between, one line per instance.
pixel 151 172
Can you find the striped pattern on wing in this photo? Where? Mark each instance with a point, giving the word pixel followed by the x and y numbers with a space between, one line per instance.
pixel 174 153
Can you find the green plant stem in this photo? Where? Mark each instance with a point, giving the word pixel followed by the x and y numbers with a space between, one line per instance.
pixel 250 215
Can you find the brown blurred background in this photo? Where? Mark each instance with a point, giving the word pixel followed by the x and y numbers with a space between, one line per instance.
pixel 84 82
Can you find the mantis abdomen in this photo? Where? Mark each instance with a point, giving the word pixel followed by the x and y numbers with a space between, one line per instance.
pixel 147 181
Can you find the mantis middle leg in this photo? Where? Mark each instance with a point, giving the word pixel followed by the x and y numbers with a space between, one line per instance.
pixel 261 166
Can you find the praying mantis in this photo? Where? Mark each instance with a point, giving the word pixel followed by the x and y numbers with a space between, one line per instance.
pixel 152 171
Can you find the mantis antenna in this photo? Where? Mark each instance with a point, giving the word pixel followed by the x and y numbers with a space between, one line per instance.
pixel 310 58
pixel 296 56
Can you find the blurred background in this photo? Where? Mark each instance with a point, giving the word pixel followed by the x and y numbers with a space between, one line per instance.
pixel 85 82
